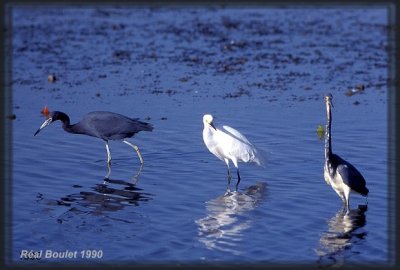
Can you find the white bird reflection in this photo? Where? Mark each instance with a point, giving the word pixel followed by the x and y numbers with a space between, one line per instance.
pixel 222 228
pixel 344 231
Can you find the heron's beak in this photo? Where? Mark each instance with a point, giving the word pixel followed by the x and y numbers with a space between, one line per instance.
pixel 45 124
pixel 212 125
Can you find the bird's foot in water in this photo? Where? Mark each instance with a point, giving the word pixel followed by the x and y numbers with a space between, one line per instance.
pixel 228 193
pixel 107 177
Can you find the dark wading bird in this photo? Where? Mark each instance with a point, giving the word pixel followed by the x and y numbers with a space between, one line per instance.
pixel 340 174
pixel 104 125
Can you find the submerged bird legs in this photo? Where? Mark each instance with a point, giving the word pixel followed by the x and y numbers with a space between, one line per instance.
pixel 228 189
pixel 135 178
pixel 128 143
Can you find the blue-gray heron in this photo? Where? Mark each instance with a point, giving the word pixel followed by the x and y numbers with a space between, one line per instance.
pixel 340 174
pixel 103 125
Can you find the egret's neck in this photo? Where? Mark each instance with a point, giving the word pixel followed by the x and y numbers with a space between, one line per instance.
pixel 328 147
pixel 208 132
pixel 208 129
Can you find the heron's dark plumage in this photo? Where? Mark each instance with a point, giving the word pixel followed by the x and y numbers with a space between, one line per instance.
pixel 104 125
pixel 350 175
pixel 340 174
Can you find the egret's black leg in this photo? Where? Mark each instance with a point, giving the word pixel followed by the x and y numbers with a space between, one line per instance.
pixel 238 181
pixel 228 189
pixel 229 179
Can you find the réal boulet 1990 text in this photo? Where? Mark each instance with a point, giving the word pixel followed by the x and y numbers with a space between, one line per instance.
pixel 66 254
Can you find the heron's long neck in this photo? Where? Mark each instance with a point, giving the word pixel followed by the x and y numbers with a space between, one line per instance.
pixel 328 147
pixel 64 118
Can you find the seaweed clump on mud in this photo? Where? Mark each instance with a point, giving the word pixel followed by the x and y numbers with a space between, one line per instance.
pixel 239 93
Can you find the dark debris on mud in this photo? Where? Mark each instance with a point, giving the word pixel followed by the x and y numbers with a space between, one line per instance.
pixel 257 50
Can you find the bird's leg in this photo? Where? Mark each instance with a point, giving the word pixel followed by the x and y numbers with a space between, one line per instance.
pixel 347 204
pixel 109 172
pixel 135 178
pixel 136 149
pixel 108 154
pixel 346 198
pixel 235 162
pixel 229 174
pixel 238 181
pixel 228 189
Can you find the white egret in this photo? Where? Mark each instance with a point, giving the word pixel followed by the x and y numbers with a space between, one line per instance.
pixel 228 144
pixel 340 174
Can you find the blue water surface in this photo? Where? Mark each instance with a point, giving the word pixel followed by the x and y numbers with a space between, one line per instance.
pixel 261 70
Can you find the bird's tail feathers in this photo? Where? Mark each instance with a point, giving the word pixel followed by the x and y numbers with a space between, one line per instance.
pixel 146 126
pixel 364 192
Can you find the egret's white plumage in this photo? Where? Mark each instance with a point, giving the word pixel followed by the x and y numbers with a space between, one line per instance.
pixel 228 144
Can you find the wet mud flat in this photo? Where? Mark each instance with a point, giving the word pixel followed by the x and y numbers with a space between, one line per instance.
pixel 277 54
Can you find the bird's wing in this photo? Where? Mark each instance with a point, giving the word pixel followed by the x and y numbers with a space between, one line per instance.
pixel 226 142
pixel 113 126
pixel 351 176
pixel 238 146
pixel 234 133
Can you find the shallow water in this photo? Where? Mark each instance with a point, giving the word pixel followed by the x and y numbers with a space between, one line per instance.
pixel 263 71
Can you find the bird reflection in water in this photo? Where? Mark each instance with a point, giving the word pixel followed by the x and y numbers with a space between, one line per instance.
pixel 134 178
pixel 104 198
pixel 344 231
pixel 222 228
